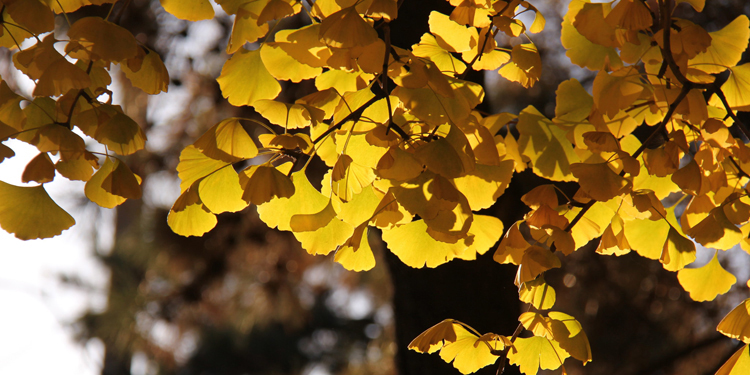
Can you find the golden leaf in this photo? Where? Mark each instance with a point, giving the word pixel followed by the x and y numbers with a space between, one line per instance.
pixel 706 282
pixel 29 212
pixel 737 323
pixel 244 79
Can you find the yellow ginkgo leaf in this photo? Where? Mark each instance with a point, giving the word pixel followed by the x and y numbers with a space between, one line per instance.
pixel 113 184
pixel 195 165
pixel 34 15
pixel 325 238
pixel 188 216
pixel 525 66
pixel 220 191
pixel 355 254
pixel 736 89
pixel 227 141
pixel 429 48
pixel 727 46
pixel 282 65
pixel 342 80
pixel 738 363
pixel 40 169
pixel 716 231
pixel 121 134
pixel 244 79
pixel 147 72
pixel 599 181
pixel 546 145
pixel 450 35
pixel 706 282
pixel 288 116
pixel 485 184
pixel 433 338
pixel 630 15
pixel 573 102
pixel 306 200
pixel 245 28
pixel 102 40
pixel 469 352
pixel 535 260
pixel 581 50
pixel 533 353
pixel 568 332
pixel 486 230
pixel 737 323
pixel 616 90
pixel 191 10
pixel 416 248
pixel 278 9
pixel 59 77
pixel 512 247
pixel 346 29
pixel 538 293
pixel 29 212
pixel 262 183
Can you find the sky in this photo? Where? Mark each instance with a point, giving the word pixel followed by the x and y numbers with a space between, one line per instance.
pixel 38 309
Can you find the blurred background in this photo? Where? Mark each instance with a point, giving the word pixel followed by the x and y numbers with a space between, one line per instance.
pixel 121 294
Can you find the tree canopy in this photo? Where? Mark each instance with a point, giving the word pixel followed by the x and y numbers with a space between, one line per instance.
pixel 655 145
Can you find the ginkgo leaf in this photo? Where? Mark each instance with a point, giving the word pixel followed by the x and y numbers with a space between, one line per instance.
pixel 245 28
pixel 727 46
pixel 570 336
pixel 356 254
pixel 416 248
pixel 147 72
pixel 737 364
pixel 469 353
pixel 346 29
pixel 113 184
pixel 227 141
pixel 29 212
pixel 195 165
pixel 525 66
pixel 220 191
pixel 706 282
pixel 616 90
pixel 737 323
pixel 40 169
pixel 398 165
pixel 485 184
pixel 281 65
pixel 102 39
pixel 599 181
pixel 35 16
pixel 512 247
pixel 327 238
pixel 573 102
pixel 191 10
pixel 244 79
pixel 433 338
pixel 716 231
pixel 736 89
pixel 450 35
pixel 306 200
pixel 538 293
pixel 630 15
pixel 188 216
pixel 545 143
pixel 486 230
pixel 262 183
pixel 535 260
pixel 533 353
pixel 121 134
pixel 428 47
pixel 59 77
pixel 581 50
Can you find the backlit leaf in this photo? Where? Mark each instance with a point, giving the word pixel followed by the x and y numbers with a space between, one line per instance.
pixel 737 323
pixel 244 79
pixel 706 282
pixel 191 10
pixel 29 212
pixel 533 353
